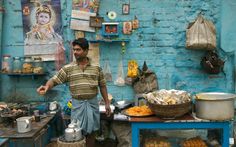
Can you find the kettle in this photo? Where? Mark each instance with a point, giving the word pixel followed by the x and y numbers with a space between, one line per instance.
pixel 53 105
pixel 73 132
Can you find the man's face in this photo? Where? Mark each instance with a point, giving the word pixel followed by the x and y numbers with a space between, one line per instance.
pixel 43 18
pixel 79 53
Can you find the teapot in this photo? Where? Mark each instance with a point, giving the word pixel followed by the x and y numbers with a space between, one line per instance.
pixel 73 132
pixel 53 106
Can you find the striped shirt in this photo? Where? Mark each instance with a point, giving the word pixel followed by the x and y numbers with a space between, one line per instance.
pixel 83 84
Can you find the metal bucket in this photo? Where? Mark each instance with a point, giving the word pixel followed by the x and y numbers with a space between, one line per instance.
pixel 215 106
pixel 24 124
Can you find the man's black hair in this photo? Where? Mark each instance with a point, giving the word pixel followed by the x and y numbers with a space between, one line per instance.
pixel 82 42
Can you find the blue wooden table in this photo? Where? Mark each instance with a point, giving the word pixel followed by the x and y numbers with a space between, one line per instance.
pixel 186 122
pixel 3 142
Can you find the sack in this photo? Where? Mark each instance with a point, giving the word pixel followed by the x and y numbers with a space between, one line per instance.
pixel 211 63
pixel 201 34
pixel 146 81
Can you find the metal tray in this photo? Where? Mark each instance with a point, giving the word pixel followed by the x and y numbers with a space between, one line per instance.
pixel 123 104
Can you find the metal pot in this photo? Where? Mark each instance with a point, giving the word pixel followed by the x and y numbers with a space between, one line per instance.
pixel 72 133
pixel 24 124
pixel 215 106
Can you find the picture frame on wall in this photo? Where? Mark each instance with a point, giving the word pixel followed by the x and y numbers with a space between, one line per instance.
pixel 125 9
pixel 127 27
pixel 96 21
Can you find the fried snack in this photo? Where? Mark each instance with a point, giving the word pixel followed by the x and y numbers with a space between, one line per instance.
pixel 156 142
pixel 27 68
pixel 194 142
pixel 139 111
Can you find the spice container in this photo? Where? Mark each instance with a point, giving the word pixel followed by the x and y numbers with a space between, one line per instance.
pixel 27 66
pixel 17 65
pixel 38 65
pixel 6 62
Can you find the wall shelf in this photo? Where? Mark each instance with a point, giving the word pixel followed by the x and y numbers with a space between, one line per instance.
pixel 24 74
pixel 33 75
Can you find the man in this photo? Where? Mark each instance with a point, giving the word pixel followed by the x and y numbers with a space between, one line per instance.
pixel 84 80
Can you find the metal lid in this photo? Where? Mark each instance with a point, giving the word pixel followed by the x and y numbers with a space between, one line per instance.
pixel 215 96
pixel 16 58
pixel 6 55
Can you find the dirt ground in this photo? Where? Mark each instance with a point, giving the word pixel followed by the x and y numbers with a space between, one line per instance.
pixel 105 143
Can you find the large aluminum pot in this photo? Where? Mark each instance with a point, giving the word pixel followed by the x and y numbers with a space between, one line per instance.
pixel 215 106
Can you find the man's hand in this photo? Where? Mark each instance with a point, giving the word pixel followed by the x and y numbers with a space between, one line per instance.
pixel 42 90
pixel 108 109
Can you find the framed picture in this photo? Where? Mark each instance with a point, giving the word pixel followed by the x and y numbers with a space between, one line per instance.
pixel 110 29
pixel 127 27
pixel 95 21
pixel 125 9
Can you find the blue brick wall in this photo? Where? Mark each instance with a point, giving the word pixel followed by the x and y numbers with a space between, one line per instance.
pixel 160 41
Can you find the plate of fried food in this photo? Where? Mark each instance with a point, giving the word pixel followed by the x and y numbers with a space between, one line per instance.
pixel 138 111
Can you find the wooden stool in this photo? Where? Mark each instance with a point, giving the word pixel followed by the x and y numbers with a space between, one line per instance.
pixel 81 143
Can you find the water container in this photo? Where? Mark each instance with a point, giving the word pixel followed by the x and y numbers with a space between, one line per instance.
pixel 6 63
pixel 27 66
pixel 16 65
pixel 38 65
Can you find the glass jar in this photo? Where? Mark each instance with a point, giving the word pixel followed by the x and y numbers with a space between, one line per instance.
pixel 6 62
pixel 38 65
pixel 27 66
pixel 17 65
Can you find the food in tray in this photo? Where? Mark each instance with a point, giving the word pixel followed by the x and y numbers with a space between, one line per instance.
pixel 193 142
pixel 139 111
pixel 168 97
pixel 156 142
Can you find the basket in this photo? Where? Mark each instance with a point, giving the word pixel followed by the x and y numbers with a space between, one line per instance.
pixel 170 111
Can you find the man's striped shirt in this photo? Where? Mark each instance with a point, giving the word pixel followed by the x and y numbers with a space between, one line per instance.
pixel 83 84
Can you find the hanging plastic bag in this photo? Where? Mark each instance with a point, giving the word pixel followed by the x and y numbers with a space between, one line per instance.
pixel 132 69
pixel 107 71
pixel 201 34
pixel 120 81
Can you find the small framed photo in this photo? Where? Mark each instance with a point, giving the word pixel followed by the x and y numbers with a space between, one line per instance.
pixel 110 29
pixel 95 21
pixel 127 27
pixel 125 9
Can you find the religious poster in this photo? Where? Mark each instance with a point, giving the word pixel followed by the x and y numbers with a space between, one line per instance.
pixel 81 12
pixel 86 5
pixel 42 28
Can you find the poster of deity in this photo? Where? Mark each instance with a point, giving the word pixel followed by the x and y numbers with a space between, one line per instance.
pixel 86 5
pixel 42 27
